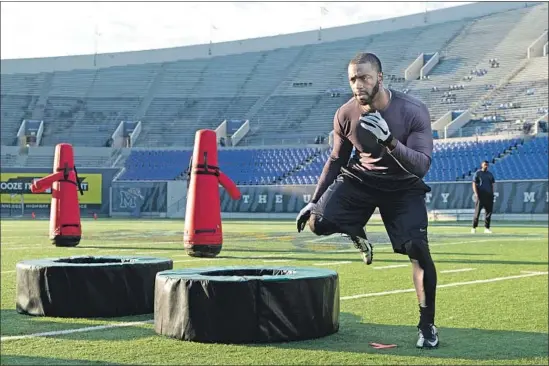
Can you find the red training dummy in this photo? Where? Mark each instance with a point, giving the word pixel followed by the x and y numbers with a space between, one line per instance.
pixel 203 235
pixel 65 228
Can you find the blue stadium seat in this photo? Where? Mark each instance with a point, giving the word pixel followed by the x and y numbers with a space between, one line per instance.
pixel 451 161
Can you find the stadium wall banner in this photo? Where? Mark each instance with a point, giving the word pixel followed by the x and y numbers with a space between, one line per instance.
pixel 519 197
pixel 15 188
pixel 138 198
pixel 20 183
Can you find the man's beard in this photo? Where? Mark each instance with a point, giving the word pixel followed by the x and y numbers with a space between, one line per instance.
pixel 370 97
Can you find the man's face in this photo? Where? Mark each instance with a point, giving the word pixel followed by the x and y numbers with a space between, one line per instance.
pixel 365 82
pixel 484 166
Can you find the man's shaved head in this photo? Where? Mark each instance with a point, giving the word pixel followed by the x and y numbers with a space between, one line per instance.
pixel 367 58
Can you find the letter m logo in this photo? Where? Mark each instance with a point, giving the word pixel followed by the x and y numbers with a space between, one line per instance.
pixel 529 197
pixel 127 200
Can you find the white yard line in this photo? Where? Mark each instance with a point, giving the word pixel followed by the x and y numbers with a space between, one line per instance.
pixel 118 243
pixel 76 330
pixel 3 272
pixel 331 263
pixel 453 284
pixel 385 247
pixel 323 238
pixel 27 248
pixel 181 255
pixel 198 260
pixel 392 266
pixel 118 325
pixel 277 260
pixel 457 270
pixel 533 272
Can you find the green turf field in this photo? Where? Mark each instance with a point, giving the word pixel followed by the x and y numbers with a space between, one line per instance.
pixel 492 300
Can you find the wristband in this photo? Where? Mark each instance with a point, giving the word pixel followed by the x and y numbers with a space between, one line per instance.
pixel 390 143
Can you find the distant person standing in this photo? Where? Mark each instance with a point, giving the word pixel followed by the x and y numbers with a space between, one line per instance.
pixel 483 186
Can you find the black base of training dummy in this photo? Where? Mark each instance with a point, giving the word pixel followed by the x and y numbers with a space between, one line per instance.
pixel 204 251
pixel 66 241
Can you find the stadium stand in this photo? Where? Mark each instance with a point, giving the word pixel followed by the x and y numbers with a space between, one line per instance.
pixel 497 36
pixel 299 109
pixel 281 90
pixel 155 164
pixel 527 161
pixel 244 166
pixel 14 109
pixel 42 157
pixel 515 104
pixel 452 161
pixel 458 160
pixel 289 95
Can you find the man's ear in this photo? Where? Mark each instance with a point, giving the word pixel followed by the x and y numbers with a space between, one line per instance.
pixel 380 76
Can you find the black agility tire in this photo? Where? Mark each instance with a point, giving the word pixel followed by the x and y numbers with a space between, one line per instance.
pixel 246 304
pixel 88 286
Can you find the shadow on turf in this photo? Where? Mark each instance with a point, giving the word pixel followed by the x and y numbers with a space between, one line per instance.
pixel 464 343
pixel 35 360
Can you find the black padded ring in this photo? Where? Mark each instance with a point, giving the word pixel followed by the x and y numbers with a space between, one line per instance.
pixel 88 286
pixel 246 304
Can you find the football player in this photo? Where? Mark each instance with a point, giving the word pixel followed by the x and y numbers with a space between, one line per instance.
pixel 391 133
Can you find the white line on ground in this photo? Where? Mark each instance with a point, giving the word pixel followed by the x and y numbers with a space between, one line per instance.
pixel 277 260
pixel 108 250
pixel 146 253
pixel 386 246
pixel 323 238
pixel 7 272
pixel 25 248
pixel 199 259
pixel 117 325
pixel 269 255
pixel 383 247
pixel 77 330
pixel 457 270
pixel 392 266
pixel 248 256
pixel 453 284
pixel 533 272
pixel 331 263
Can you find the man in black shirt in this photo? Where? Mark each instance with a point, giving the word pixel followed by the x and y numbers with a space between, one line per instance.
pixel 483 186
pixel 393 141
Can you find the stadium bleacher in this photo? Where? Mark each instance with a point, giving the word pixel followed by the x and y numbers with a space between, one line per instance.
pixel 458 160
pixel 281 91
pixel 155 164
pixel 527 161
pixel 289 95
pixel 452 161
pixel 244 166
pixel 496 36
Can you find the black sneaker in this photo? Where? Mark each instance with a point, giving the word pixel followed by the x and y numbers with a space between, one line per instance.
pixel 427 337
pixel 366 249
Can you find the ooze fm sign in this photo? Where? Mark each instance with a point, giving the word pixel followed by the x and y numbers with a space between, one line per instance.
pixel 20 184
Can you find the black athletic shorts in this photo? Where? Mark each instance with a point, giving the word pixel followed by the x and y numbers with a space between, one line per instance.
pixel 348 203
